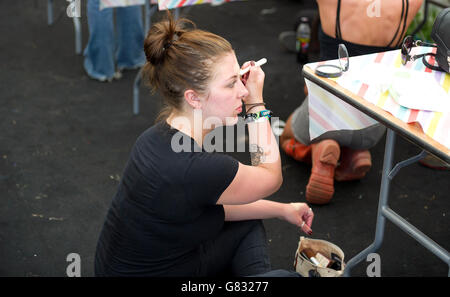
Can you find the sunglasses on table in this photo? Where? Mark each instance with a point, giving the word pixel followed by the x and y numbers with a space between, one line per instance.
pixel 408 44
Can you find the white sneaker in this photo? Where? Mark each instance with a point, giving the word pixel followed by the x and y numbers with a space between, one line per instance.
pixel 118 74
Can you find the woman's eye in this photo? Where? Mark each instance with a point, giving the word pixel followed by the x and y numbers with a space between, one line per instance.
pixel 232 84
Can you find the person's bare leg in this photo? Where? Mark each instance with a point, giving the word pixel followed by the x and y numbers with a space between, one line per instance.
pixel 292 147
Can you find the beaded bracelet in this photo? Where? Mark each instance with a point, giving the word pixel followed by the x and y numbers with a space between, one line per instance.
pixel 252 105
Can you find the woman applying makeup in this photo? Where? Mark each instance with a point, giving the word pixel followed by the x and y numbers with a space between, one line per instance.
pixel 192 212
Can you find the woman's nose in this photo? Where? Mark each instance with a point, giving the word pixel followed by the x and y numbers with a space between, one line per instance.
pixel 243 92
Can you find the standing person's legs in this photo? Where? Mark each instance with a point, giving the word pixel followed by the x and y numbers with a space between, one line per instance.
pixel 130 37
pixel 99 52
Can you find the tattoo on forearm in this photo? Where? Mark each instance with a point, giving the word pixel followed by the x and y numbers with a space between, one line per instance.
pixel 256 154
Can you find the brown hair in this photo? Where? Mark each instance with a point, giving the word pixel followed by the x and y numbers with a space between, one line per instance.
pixel 179 58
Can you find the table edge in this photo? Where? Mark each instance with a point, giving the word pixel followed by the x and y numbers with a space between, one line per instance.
pixel 338 91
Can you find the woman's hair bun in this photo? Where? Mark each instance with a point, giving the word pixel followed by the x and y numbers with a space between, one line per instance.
pixel 162 36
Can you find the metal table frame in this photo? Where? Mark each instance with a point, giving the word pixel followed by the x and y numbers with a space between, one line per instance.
pixel 76 24
pixel 150 9
pixel 384 211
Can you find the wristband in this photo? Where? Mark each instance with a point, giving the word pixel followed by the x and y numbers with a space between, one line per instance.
pixel 253 117
pixel 261 119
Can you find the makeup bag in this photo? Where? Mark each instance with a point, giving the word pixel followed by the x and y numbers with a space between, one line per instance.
pixel 441 35
pixel 308 269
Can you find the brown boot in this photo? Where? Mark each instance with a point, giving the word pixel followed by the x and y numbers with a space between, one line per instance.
pixel 297 150
pixel 432 162
pixel 325 155
pixel 354 164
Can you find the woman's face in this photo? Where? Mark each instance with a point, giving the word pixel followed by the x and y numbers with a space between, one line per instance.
pixel 226 91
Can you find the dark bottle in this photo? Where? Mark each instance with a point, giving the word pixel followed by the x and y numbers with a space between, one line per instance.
pixel 336 262
pixel 303 39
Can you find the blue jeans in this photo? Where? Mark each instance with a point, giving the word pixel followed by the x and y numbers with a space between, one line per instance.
pixel 105 49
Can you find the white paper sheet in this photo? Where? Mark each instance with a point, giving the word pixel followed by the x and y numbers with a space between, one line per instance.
pixel 417 90
pixel 409 88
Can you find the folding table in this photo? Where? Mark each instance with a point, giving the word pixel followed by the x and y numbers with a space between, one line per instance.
pixel 397 124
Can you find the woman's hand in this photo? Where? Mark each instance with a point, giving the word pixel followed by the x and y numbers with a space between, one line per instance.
pixel 299 214
pixel 254 82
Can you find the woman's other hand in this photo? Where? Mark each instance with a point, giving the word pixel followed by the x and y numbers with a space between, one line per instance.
pixel 301 215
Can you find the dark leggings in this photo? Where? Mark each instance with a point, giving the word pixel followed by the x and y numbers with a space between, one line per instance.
pixel 239 250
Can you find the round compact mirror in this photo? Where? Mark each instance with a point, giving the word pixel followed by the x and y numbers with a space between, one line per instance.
pixel 329 70
pixel 343 57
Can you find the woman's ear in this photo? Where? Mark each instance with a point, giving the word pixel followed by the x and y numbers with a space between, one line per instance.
pixel 192 98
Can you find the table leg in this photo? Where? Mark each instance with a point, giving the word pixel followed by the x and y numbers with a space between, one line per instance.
pixel 383 201
pixel 137 83
pixel 147 15
pixel 149 11
pixel 384 212
pixel 77 26
pixel 49 12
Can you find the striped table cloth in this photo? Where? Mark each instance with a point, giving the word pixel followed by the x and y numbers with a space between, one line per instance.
pixel 366 77
pixel 162 4
pixel 169 4
pixel 120 3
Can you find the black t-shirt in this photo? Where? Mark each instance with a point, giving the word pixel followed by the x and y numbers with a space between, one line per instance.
pixel 165 207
